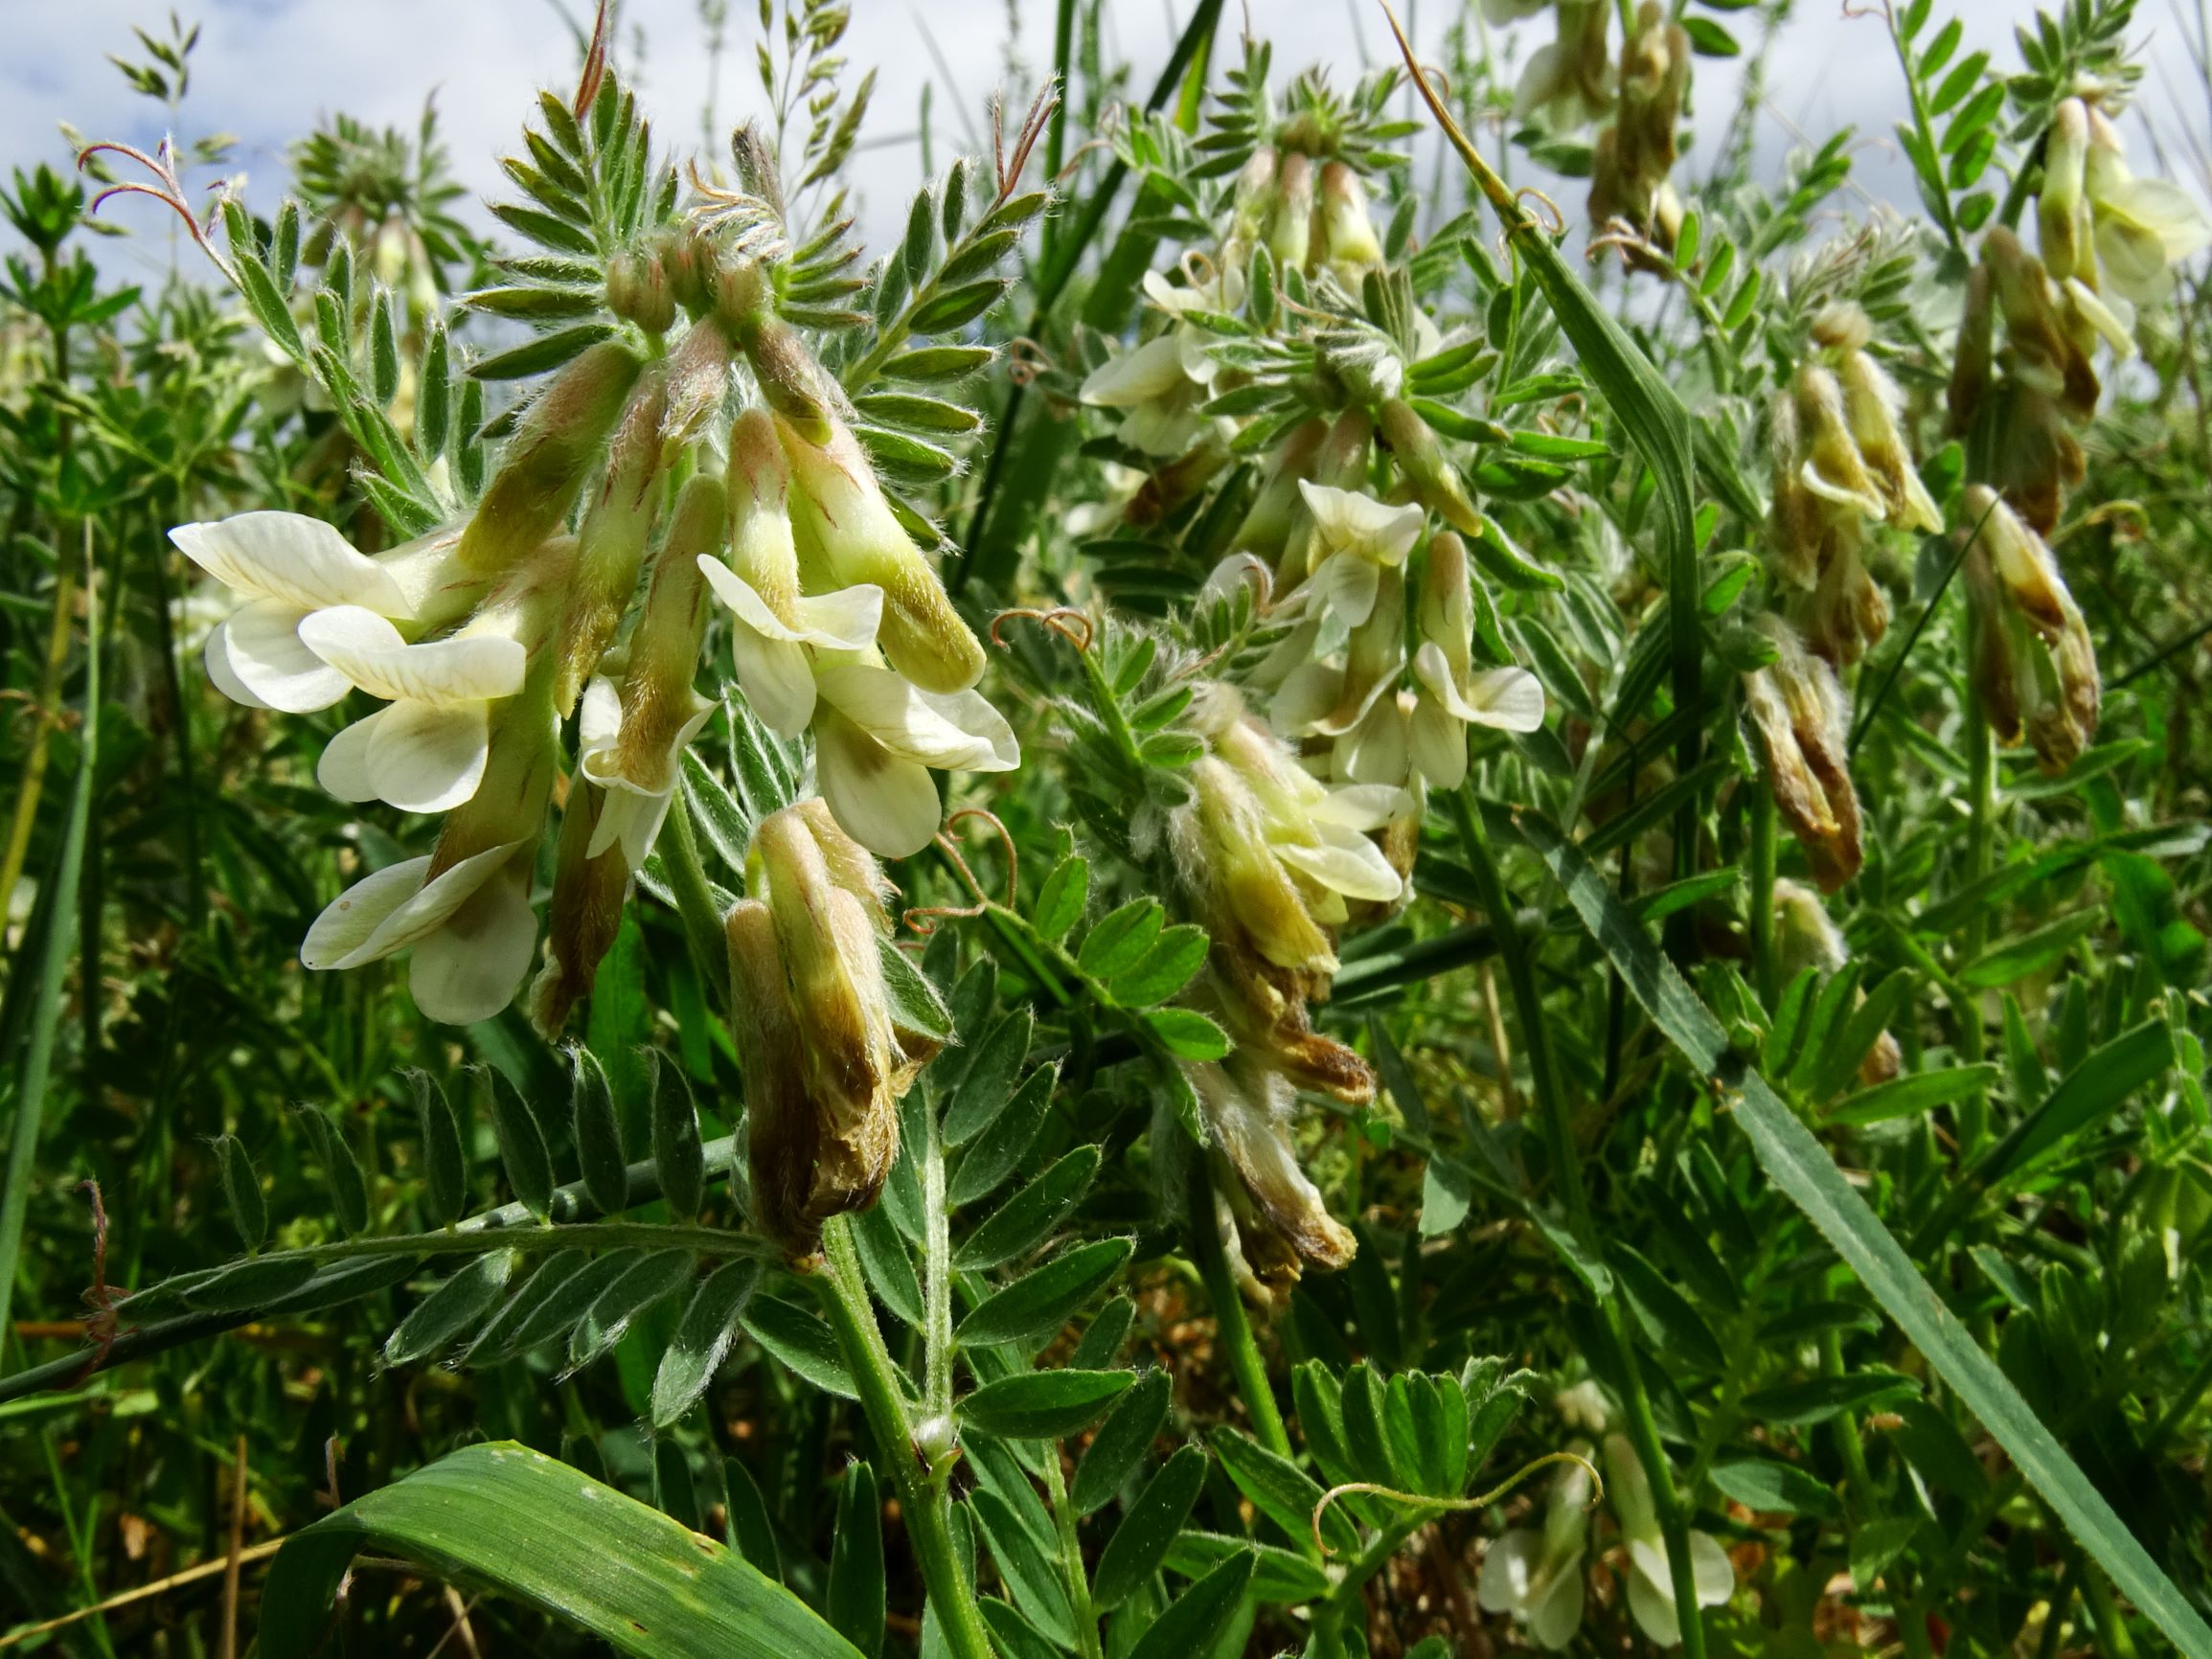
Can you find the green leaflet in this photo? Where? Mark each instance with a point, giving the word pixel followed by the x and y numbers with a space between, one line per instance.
pixel 537 1529
pixel 1797 1164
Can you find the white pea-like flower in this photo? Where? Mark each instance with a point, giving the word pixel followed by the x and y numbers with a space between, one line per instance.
pixel 469 925
pixel 426 751
pixel 285 567
pixel 1651 1579
pixel 1360 538
pixel 1537 1576
pixel 878 736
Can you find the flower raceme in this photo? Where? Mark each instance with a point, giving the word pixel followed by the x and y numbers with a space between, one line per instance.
pixel 825 1064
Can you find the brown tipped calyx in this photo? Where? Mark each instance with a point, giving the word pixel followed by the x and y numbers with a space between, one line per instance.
pixel 1282 1223
pixel 2034 664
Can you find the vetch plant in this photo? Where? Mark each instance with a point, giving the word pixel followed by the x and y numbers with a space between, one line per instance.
pixel 1078 894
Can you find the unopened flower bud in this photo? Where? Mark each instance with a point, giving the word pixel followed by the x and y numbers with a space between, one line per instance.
pixel 546 463
pixel 847 528
pixel 698 383
pixel 1969 374
pixel 1267 524
pixel 2063 214
pixel 611 541
pixel 1348 238
pixel 1871 404
pixel 638 290
pixel 1797 705
pixel 1290 228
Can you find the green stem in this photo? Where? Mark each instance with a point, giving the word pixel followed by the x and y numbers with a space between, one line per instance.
pixel 1071 1558
pixel 936 1278
pixel 1235 1330
pixel 1566 1172
pixel 1847 1440
pixel 1981 805
pixel 2113 1636
pixel 1766 975
pixel 923 1499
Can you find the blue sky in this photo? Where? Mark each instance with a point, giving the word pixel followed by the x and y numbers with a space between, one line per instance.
pixel 267 69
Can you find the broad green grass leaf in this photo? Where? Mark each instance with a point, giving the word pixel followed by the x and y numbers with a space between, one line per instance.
pixel 531 1528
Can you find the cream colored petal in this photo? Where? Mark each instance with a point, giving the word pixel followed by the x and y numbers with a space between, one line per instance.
pixel 1362 806
pixel 350 921
pixel 392 909
pixel 1305 698
pixel 1557 1612
pixel 344 768
pixel 2163 208
pixel 1711 1570
pixel 1508 1569
pixel 1344 861
pixel 1344 586
pixel 1438 740
pixel 1650 1598
pixel 291 556
pixel 886 804
pixel 1135 376
pixel 215 657
pixel 1841 495
pixel 1375 753
pixel 778 681
pixel 371 653
pixel 263 652
pixel 1353 521
pixel 2092 310
pixel 843 621
pixel 961 732
pixel 630 818
pixel 428 758
pixel 471 968
pixel 598 721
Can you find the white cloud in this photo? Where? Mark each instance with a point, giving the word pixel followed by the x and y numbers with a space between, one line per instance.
pixel 267 69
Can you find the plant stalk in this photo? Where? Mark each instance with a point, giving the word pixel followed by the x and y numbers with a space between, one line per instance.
pixel 1568 1173
pixel 923 1498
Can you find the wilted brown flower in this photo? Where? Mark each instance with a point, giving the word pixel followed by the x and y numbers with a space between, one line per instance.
pixel 1797 704
pixel 824 1065
pixel 2035 666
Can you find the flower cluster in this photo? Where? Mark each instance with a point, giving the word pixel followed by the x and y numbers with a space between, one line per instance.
pixel 482 640
pixel 1842 464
